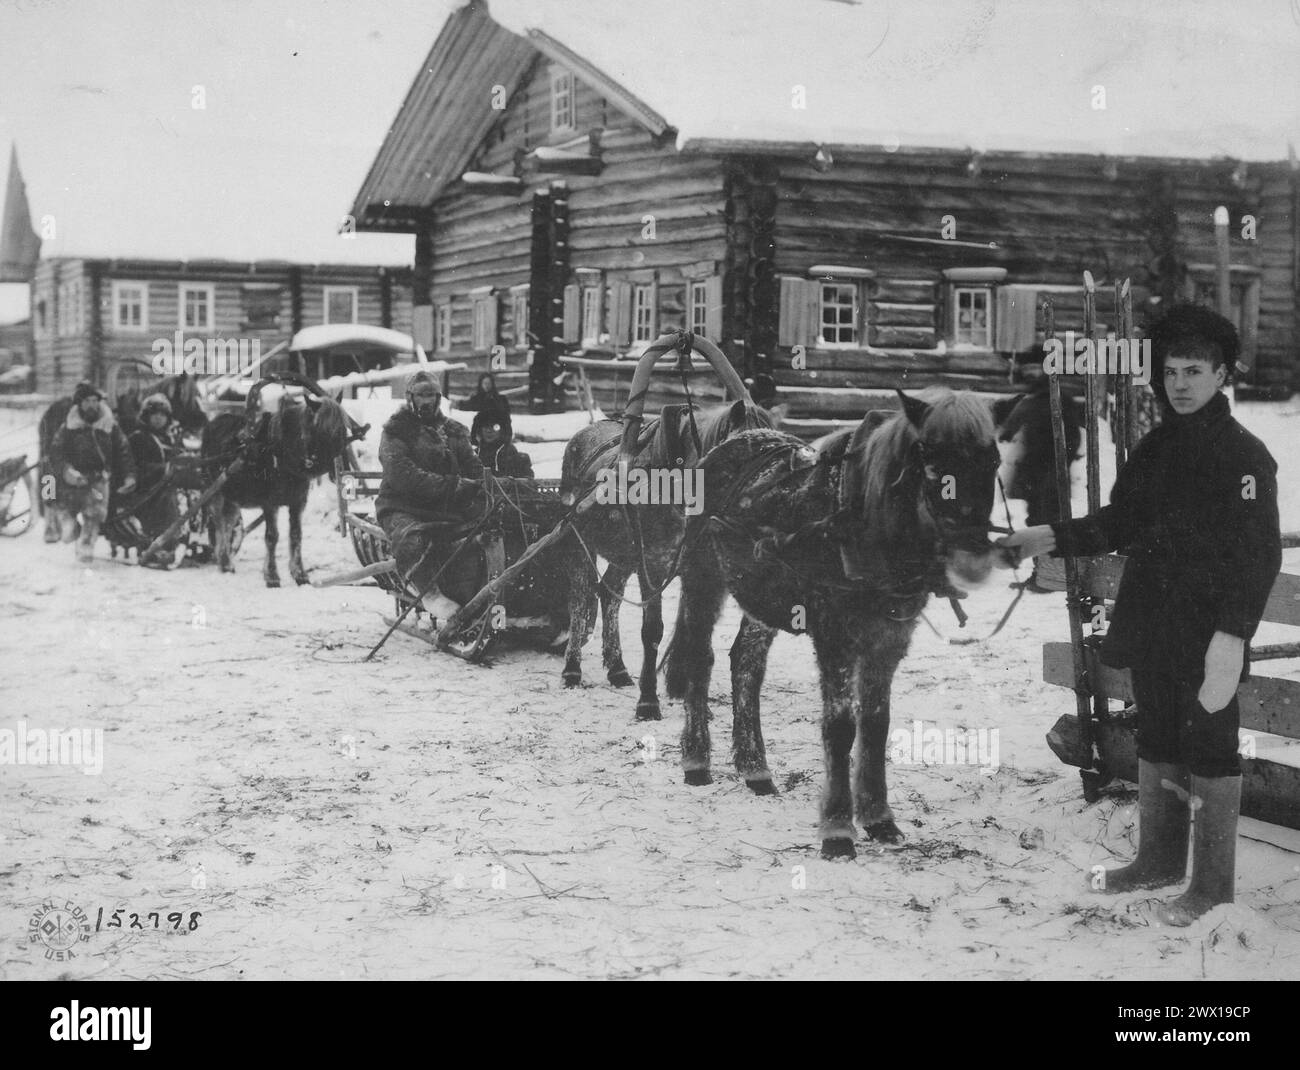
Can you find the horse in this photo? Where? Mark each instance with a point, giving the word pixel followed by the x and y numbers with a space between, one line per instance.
pixel 844 543
pixel 647 546
pixel 280 457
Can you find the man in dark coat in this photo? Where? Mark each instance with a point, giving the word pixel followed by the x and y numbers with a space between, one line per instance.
pixel 1195 511
pixel 498 453
pixel 432 481
pixel 90 457
pixel 1029 426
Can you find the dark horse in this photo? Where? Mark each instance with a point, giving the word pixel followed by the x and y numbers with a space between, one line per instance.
pixel 640 539
pixel 281 455
pixel 845 543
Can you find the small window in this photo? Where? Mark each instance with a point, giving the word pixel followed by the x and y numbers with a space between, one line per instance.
pixel 839 314
pixel 261 307
pixel 442 329
pixel 196 307
pixel 643 313
pixel 972 319
pixel 592 328
pixel 340 304
pixel 562 117
pixel 130 306
pixel 699 308
pixel 519 315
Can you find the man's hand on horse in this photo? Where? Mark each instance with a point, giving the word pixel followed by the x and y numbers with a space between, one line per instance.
pixel 1031 542
pixel 73 478
pixel 127 486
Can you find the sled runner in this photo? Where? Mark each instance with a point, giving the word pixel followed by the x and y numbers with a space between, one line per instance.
pixel 17 496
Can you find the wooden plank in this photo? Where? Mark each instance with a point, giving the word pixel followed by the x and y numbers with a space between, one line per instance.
pixel 1103 575
pixel 901 315
pixel 902 337
pixel 1270 787
pixel 1268 704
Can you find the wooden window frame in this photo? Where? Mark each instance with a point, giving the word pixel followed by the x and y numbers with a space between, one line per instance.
pixel 329 291
pixel 859 325
pixel 564 94
pixel 209 305
pixel 117 289
pixel 698 302
pixel 648 290
pixel 954 312
pixel 246 321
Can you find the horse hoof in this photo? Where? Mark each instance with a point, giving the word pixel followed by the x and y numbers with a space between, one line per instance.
pixel 883 832
pixel 697 778
pixel 838 848
pixel 572 679
pixel 648 711
pixel 762 787
pixel 301 580
pixel 273 581
pixel 620 678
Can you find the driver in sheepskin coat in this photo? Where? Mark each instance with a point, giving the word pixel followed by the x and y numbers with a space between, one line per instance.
pixel 88 453
pixel 432 480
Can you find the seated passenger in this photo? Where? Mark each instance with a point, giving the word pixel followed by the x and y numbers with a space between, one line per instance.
pixel 497 452
pixel 153 445
pixel 432 483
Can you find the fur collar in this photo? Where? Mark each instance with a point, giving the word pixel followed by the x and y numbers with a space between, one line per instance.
pixel 104 423
pixel 406 425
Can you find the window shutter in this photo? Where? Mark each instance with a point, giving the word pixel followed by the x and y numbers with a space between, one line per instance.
pixel 422 326
pixel 800 310
pixel 654 308
pixel 713 311
pixel 493 318
pixel 572 314
pixel 621 320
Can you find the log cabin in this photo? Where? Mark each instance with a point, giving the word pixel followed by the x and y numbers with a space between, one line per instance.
pixel 564 215
pixel 98 319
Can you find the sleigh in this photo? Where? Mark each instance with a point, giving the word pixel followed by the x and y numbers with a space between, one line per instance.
pixel 17 497
pixel 518 515
pixel 1099 738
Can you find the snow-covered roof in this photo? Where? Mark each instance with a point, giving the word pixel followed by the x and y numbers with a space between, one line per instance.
pixel 1199 78
pixel 329 335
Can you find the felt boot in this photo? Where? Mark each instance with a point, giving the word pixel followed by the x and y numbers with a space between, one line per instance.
pixel 1214 850
pixel 1163 823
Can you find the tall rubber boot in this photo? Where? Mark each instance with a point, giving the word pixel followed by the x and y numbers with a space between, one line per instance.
pixel 86 541
pixel 1163 825
pixel 1214 850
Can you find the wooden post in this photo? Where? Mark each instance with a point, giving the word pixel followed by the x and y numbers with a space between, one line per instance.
pixel 539 299
pixel 1222 274
pixel 1072 586
pixel 1092 393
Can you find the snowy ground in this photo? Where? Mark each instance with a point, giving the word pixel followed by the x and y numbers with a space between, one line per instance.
pixel 421 817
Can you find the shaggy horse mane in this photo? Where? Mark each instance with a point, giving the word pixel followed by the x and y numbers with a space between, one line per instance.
pixel 954 420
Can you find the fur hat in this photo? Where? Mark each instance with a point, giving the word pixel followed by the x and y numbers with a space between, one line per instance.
pixel 85 390
pixel 1195 332
pixel 155 403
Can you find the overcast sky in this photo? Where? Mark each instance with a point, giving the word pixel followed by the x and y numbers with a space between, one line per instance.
pixel 97 95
